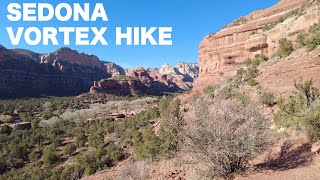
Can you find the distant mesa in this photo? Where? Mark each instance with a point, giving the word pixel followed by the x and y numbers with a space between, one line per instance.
pixel 63 72
pixel 68 72
pixel 152 80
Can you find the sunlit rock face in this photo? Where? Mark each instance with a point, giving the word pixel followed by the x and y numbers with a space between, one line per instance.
pixel 167 78
pixel 244 38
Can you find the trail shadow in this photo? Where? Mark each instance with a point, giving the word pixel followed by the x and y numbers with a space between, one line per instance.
pixel 288 158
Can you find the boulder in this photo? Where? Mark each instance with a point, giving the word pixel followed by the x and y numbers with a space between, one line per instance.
pixel 22 126
pixel 316 148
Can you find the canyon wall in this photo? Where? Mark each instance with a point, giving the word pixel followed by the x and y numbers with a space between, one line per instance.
pixel 68 72
pixel 248 36
pixel 63 72
pixel 150 81
pixel 167 78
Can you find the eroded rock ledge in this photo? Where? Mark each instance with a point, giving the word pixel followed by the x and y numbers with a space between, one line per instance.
pixel 246 37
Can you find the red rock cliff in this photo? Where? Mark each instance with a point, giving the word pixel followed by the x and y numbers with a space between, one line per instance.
pixel 246 37
pixel 63 72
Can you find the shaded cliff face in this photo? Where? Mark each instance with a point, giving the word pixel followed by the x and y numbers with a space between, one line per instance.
pixel 63 72
pixel 67 72
pixel 244 38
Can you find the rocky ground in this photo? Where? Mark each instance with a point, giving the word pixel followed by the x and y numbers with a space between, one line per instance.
pixel 278 77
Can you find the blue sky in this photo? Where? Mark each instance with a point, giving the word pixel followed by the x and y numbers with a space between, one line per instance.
pixel 191 21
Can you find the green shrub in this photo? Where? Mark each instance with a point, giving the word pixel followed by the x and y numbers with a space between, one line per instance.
pixel 3 166
pixel 95 160
pixel 96 139
pixel 261 57
pixel 306 92
pixel 267 99
pixel 285 49
pixel 147 144
pixel 170 131
pixel 33 156
pixel 301 110
pixel 313 41
pixel 301 38
pixel 72 172
pixel 240 21
pixel 196 95
pixel 50 157
pixel 252 82
pixel 35 123
pixel 252 72
pixel 5 129
pixel 24 117
pixel 114 152
pixel 138 145
pixel 151 142
pixel 81 139
pixel 110 127
pixel 248 62
pixel 89 171
pixel 311 120
pixel 315 28
pixel 208 90
pixel 259 89
pixel 14 163
pixel 164 106
pixel 270 26
pixel 281 19
pixel 248 73
pixel 47 114
pixel 19 151
pixel 70 149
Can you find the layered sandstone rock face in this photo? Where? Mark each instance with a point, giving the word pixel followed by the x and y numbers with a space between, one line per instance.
pixel 167 69
pixel 68 57
pixel 63 72
pixel 188 69
pixel 167 78
pixel 279 78
pixel 220 52
pixel 72 57
pixel 121 85
pixel 141 74
pixel 114 69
